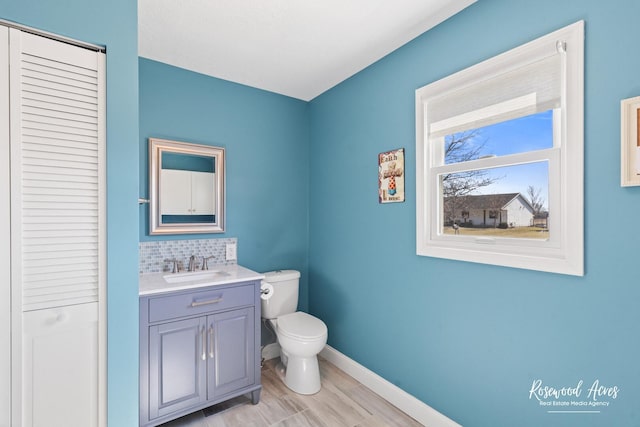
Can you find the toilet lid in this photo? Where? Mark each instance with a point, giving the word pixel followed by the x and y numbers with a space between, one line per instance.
pixel 302 326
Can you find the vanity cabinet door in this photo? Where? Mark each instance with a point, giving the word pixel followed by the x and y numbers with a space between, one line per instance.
pixel 231 363
pixel 177 354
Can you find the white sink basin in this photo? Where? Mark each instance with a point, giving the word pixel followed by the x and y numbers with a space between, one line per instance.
pixel 195 276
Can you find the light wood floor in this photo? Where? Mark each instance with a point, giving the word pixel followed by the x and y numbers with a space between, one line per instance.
pixel 342 402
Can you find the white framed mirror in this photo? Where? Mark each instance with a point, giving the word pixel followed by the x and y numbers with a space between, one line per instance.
pixel 187 187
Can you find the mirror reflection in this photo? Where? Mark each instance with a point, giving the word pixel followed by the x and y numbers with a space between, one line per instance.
pixel 187 183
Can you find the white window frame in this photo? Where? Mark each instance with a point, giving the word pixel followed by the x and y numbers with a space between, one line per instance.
pixel 563 252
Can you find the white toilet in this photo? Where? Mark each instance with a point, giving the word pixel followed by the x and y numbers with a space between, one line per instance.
pixel 300 335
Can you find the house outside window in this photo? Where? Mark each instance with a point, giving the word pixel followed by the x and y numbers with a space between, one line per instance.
pixel 499 150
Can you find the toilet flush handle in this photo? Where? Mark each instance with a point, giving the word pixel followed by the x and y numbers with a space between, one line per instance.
pixel 266 289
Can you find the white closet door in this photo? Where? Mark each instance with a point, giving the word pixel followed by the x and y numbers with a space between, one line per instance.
pixel 57 228
pixel 5 248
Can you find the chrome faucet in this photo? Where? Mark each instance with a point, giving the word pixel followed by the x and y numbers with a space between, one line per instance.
pixel 204 265
pixel 175 268
pixel 192 263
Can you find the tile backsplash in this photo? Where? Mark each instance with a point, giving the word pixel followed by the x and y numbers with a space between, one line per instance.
pixel 153 255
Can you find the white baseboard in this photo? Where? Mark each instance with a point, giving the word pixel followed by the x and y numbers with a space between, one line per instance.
pixel 408 404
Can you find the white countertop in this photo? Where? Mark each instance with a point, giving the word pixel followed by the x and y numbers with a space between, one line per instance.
pixel 155 283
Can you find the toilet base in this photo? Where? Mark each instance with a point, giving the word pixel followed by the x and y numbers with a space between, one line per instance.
pixel 301 374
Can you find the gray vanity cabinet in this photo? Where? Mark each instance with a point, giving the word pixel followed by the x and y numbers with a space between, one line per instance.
pixel 198 348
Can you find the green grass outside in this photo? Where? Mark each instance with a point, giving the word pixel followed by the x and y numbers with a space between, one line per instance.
pixel 516 232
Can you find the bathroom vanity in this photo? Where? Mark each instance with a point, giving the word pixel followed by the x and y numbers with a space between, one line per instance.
pixel 199 340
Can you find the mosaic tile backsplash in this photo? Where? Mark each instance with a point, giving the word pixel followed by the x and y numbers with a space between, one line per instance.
pixel 153 255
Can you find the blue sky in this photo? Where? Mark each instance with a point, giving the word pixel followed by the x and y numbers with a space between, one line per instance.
pixel 527 133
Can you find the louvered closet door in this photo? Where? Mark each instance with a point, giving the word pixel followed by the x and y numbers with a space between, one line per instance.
pixel 56 151
pixel 57 227
pixel 5 230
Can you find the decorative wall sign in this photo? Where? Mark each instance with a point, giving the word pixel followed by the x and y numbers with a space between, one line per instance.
pixel 630 142
pixel 391 176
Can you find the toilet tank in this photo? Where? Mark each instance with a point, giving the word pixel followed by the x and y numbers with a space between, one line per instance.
pixel 284 299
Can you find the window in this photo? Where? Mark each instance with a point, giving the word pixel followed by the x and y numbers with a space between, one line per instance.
pixel 499 151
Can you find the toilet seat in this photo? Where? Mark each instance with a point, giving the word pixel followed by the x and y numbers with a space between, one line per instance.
pixel 301 326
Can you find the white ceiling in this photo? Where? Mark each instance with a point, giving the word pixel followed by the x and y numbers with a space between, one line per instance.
pixel 298 48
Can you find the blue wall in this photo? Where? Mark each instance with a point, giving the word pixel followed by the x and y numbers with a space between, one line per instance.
pixel 266 138
pixel 113 24
pixel 469 339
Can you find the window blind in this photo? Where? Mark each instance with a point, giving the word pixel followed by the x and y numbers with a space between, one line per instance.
pixel 529 89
